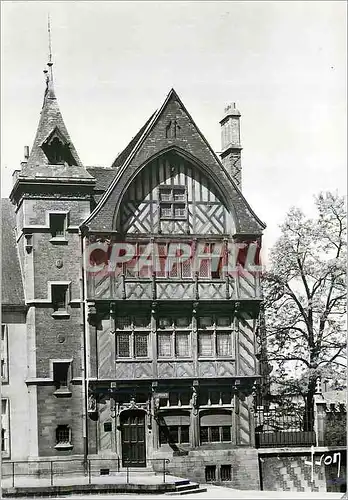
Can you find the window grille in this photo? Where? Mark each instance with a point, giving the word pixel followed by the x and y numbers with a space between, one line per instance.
pixel 123 347
pixel 123 322
pixel 130 342
pixel 225 472
pixel 210 473
pixel 63 435
pixel 141 345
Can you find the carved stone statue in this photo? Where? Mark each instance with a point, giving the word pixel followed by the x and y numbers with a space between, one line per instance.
pixel 194 401
pixel 92 404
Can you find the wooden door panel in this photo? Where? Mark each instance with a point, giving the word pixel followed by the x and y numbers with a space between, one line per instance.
pixel 133 439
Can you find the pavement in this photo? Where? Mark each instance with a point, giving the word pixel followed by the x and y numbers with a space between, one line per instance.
pixel 213 492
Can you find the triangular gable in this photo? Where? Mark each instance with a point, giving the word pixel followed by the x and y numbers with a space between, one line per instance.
pixel 55 132
pixel 173 127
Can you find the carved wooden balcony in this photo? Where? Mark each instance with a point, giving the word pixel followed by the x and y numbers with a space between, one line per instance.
pixel 245 286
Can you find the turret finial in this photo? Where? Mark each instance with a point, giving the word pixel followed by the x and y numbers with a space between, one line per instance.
pixel 50 63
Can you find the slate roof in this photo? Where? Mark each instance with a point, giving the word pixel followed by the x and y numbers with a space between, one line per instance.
pixel 50 119
pixel 12 292
pixel 103 177
pixel 122 157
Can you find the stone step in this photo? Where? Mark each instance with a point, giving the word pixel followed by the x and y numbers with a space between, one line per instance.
pixel 198 489
pixel 189 486
pixel 185 489
pixel 182 482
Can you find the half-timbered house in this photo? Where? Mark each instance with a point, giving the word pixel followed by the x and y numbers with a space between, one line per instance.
pixel 142 298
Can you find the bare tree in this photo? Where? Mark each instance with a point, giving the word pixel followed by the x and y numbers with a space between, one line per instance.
pixel 305 301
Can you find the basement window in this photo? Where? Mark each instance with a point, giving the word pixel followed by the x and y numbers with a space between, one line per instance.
pixel 210 473
pixel 225 472
pixel 63 437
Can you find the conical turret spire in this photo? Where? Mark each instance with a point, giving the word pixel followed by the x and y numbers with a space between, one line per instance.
pixel 53 153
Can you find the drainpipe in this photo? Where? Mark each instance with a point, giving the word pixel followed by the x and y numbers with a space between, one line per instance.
pixel 84 349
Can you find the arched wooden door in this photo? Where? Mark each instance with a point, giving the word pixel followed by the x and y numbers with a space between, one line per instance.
pixel 133 438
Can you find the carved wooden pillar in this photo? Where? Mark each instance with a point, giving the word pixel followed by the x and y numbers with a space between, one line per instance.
pixel 194 416
pixel 194 341
pixel 153 339
pixel 237 306
pixel 154 406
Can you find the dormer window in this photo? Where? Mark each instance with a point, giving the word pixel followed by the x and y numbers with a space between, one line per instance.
pixel 57 149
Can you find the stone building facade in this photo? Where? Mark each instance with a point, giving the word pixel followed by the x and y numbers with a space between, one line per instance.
pixel 129 347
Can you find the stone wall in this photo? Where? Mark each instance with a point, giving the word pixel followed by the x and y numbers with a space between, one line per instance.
pixel 293 472
pixel 243 461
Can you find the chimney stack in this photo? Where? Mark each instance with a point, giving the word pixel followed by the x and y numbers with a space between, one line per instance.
pixel 230 143
pixel 26 153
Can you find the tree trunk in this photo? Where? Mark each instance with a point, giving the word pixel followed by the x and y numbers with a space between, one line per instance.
pixel 308 417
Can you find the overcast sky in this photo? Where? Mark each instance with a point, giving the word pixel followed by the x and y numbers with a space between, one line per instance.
pixel 283 63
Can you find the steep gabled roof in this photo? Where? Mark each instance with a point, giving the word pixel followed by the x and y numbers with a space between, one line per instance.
pixel 153 140
pixel 12 292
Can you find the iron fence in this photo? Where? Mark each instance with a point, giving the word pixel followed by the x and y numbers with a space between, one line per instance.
pixel 284 427
pixel 95 470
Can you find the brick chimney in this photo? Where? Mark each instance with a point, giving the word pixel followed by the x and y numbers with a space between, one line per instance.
pixel 230 143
